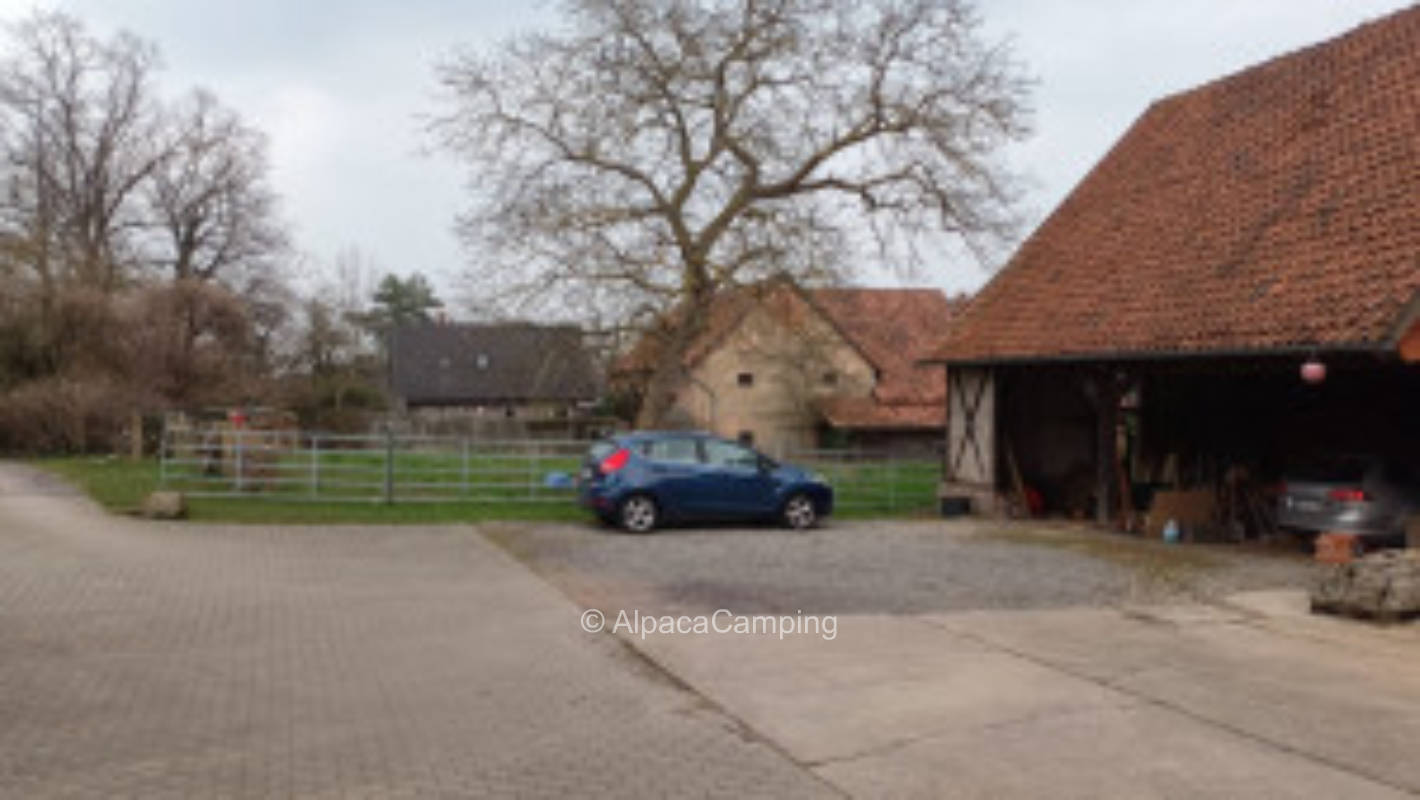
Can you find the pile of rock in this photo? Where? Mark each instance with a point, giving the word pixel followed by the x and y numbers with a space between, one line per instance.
pixel 1384 585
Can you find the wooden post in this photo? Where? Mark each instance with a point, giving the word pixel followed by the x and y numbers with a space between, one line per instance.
pixel 135 434
pixel 1107 417
pixel 947 448
pixel 163 443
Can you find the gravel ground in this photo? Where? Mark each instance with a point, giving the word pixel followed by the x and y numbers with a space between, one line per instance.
pixel 887 567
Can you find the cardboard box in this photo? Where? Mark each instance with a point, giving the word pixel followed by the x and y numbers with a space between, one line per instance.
pixel 1192 509
pixel 1336 548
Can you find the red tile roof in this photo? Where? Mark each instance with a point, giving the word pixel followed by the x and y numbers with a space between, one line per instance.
pixel 866 413
pixel 1277 208
pixel 893 328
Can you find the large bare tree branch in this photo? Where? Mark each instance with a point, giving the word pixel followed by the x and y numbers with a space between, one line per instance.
pixel 703 144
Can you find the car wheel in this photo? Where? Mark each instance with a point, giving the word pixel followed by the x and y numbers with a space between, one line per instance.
pixel 639 514
pixel 799 512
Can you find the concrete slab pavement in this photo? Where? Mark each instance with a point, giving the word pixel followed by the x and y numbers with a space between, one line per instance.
pixel 1095 702
pixel 1350 700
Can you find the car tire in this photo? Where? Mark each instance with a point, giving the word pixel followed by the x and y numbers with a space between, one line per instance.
pixel 638 514
pixel 799 512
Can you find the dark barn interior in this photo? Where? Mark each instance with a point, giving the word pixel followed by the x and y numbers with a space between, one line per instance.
pixel 1192 423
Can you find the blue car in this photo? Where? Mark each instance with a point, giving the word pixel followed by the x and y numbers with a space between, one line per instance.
pixel 642 480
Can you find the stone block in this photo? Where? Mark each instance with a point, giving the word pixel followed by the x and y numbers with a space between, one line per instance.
pixel 165 505
pixel 1381 585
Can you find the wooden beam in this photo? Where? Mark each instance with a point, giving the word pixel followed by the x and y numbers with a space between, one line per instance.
pixel 1106 421
pixel 947 472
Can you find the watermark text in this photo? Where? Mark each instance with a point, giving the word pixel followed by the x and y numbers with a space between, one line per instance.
pixel 722 622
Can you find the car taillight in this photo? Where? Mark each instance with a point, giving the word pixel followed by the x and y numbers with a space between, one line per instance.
pixel 615 461
pixel 1349 495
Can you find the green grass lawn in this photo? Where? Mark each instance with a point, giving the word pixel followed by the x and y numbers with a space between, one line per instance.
pixel 906 489
pixel 120 486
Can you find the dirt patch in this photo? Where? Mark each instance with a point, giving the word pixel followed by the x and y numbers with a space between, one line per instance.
pixel 1157 568
pixel 1125 551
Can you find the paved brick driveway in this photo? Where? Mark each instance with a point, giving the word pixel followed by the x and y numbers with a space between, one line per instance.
pixel 142 660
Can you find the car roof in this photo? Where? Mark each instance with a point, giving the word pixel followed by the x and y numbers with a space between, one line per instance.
pixel 644 436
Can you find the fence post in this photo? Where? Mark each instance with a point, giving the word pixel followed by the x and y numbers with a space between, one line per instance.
pixel 463 474
pixel 389 465
pixel 315 465
pixel 532 471
pixel 237 446
pixel 892 484
pixel 163 457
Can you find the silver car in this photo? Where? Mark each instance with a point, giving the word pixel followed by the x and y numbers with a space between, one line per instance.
pixel 1363 495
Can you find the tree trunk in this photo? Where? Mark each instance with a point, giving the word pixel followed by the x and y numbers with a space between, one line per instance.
pixel 671 370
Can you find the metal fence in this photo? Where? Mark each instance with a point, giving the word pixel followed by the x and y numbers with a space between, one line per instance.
pixel 876 481
pixel 388 468
pixel 301 466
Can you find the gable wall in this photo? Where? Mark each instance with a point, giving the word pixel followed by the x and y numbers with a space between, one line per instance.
pixel 788 362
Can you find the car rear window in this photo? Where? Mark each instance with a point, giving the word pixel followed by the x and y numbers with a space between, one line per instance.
pixel 674 451
pixel 1333 469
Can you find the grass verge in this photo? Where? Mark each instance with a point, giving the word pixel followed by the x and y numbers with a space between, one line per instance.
pixel 120 485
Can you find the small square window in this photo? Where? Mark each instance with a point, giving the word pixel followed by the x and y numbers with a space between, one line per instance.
pixel 830 378
pixel 746 438
pixel 481 361
pixel 745 379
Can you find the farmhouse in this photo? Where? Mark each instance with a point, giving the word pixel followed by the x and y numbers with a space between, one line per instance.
pixel 788 368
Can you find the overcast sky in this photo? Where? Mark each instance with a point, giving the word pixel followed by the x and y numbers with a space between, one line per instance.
pixel 339 87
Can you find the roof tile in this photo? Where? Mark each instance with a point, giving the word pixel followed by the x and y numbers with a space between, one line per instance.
pixel 1278 207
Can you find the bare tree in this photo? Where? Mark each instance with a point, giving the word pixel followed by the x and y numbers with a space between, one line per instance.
pixel 209 194
pixel 80 136
pixel 657 152
pixel 98 180
pixel 84 136
pixel 210 211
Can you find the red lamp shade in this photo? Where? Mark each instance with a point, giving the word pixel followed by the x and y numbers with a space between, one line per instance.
pixel 1313 371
